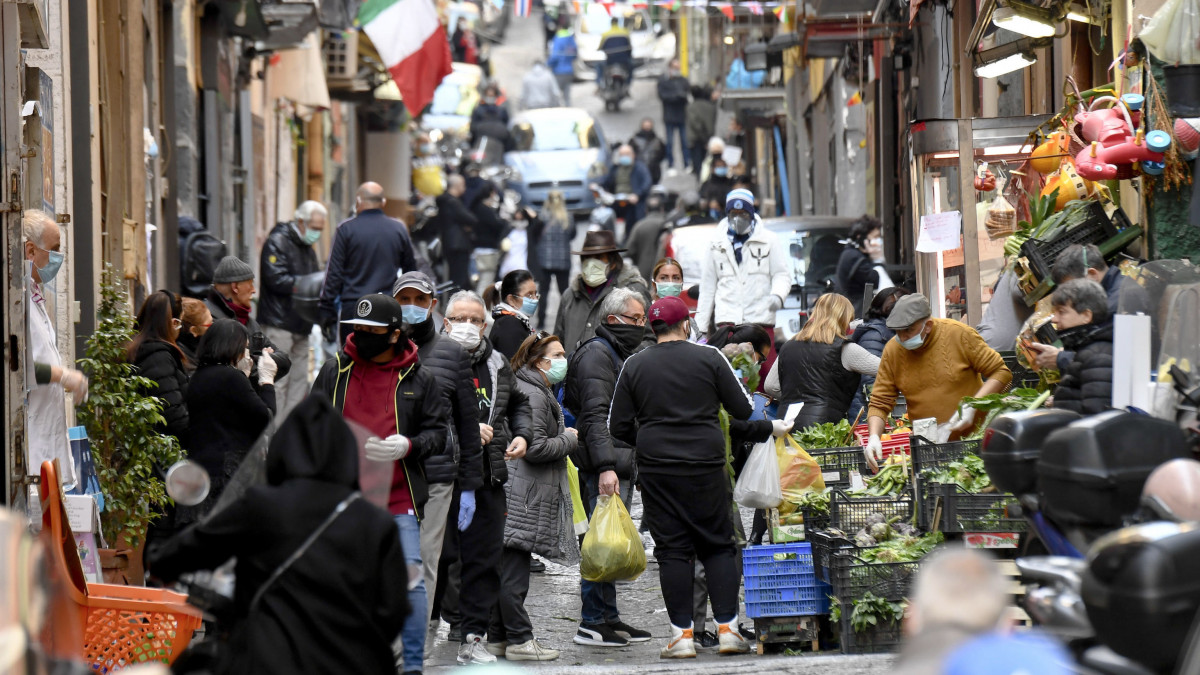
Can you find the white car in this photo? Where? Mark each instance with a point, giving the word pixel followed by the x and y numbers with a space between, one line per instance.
pixel 652 46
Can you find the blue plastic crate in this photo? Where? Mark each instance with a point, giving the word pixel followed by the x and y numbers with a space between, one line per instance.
pixel 758 583
pixel 780 581
pixel 788 601
pixel 773 559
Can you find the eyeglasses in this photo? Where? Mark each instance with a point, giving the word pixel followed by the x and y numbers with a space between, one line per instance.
pixel 639 320
pixel 177 324
pixel 466 319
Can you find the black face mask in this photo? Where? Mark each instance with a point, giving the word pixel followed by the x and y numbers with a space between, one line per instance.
pixel 628 337
pixel 1076 337
pixel 370 345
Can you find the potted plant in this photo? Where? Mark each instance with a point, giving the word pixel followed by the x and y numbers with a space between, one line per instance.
pixel 120 417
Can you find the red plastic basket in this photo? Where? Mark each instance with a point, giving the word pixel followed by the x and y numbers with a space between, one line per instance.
pixel 901 442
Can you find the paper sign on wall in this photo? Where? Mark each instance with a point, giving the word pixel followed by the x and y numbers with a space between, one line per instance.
pixel 732 155
pixel 940 232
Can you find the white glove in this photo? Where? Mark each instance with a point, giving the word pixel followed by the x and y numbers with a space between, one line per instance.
pixel 873 452
pixel 245 364
pixel 961 420
pixel 76 383
pixel 267 369
pixel 780 428
pixel 387 449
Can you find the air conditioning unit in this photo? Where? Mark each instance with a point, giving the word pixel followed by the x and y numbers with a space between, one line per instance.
pixel 341 55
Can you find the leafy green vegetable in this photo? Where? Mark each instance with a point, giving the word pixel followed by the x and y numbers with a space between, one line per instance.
pixel 967 473
pixel 998 404
pixel 817 501
pixel 827 435
pixel 903 549
pixel 871 610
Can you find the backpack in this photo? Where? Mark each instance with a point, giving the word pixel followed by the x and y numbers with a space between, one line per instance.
pixel 200 253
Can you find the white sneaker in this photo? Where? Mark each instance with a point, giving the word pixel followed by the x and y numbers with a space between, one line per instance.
pixel 730 640
pixel 680 646
pixel 496 648
pixel 530 651
pixel 474 651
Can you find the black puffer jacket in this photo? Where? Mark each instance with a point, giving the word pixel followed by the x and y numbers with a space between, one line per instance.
pixel 163 363
pixel 1086 385
pixel 591 380
pixel 509 415
pixel 285 256
pixel 451 367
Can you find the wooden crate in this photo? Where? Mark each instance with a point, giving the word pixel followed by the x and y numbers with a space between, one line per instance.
pixel 1016 590
pixel 778 630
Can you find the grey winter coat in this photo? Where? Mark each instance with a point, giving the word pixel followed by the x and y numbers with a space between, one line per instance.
pixel 540 516
pixel 578 314
pixel 539 89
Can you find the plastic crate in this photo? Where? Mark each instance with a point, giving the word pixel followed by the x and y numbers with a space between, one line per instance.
pixel 962 511
pixel 1097 228
pixel 932 456
pixel 849 514
pixel 897 443
pixel 780 581
pixel 824 546
pixel 851 579
pixel 876 639
pixel 837 463
pixel 1022 376
pixel 814 520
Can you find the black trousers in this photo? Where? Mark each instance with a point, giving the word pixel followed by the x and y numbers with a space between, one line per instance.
pixel 689 518
pixel 458 266
pixel 480 548
pixel 510 621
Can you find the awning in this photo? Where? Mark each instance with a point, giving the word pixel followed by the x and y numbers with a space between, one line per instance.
pixel 299 74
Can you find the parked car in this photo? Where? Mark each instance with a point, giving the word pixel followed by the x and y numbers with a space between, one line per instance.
pixel 653 47
pixel 814 245
pixel 453 101
pixel 556 149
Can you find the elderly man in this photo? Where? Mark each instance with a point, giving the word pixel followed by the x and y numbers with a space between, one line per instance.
pixel 959 594
pixel 605 464
pixel 287 256
pixel 230 297
pixel 369 251
pixel 629 176
pixel 46 377
pixel 601 270
pixel 935 363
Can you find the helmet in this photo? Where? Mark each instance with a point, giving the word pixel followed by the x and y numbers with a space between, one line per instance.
pixel 1172 492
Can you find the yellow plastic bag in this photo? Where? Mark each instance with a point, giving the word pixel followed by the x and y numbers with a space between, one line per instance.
pixel 578 514
pixel 612 549
pixel 798 473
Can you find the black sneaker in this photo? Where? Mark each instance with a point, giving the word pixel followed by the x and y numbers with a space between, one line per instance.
pixel 629 632
pixel 707 640
pixel 536 565
pixel 455 634
pixel 600 635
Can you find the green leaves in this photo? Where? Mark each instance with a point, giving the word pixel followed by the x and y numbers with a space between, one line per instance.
pixel 871 610
pixel 821 436
pixel 120 418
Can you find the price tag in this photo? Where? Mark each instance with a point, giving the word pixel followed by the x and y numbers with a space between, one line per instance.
pixel 856 481
pixel 793 411
pixel 830 476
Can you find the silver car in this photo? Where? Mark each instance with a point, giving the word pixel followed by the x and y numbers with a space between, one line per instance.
pixel 556 149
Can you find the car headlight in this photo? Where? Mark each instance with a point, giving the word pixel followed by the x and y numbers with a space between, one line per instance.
pixel 597 170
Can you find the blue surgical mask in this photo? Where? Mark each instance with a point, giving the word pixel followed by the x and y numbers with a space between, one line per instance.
pixel 668 289
pixel 528 306
pixel 625 160
pixel 721 171
pixel 312 236
pixel 47 273
pixel 414 314
pixel 914 342
pixel 557 372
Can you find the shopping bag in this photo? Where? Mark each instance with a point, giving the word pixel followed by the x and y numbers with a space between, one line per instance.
pixel 579 516
pixel 798 473
pixel 612 549
pixel 758 486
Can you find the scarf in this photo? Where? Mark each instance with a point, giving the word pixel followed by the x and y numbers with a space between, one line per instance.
pixel 242 314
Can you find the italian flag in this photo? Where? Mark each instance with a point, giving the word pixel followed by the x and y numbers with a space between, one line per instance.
pixel 412 44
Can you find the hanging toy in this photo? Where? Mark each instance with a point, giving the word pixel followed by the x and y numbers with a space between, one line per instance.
pixel 1045 158
pixel 985 181
pixel 1113 145
pixel 1069 183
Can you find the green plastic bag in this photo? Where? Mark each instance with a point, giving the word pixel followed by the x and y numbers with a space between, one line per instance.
pixel 612 549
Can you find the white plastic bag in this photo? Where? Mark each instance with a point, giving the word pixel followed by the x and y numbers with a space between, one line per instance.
pixel 1171 34
pixel 758 486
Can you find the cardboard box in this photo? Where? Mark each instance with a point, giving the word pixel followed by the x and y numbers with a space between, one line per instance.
pixel 783 533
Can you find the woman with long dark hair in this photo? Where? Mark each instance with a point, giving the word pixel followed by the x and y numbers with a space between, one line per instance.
pixel 227 414
pixel 155 355
pixel 513 301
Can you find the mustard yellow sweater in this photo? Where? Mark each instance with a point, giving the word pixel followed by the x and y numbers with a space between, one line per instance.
pixel 953 363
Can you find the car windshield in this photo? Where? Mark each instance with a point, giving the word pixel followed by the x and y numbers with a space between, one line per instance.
pixel 597 21
pixel 812 258
pixel 454 98
pixel 562 133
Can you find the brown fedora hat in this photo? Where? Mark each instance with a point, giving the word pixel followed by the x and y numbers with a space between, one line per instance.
pixel 601 241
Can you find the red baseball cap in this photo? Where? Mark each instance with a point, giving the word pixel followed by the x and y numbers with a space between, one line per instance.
pixel 669 310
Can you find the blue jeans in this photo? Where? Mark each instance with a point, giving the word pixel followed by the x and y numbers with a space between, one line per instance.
pixel 672 130
pixel 599 597
pixel 413 635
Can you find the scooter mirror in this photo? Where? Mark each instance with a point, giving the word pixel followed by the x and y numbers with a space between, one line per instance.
pixel 187 482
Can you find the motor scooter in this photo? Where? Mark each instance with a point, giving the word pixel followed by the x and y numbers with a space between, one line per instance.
pixel 614 87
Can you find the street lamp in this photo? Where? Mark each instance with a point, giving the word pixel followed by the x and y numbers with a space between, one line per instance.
pixel 1009 57
pixel 1026 19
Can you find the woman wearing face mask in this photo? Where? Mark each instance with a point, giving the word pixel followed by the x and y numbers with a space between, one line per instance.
pixel 819 367
pixel 862 262
pixel 667 279
pixel 718 185
pixel 540 516
pixel 225 413
pixel 513 299
pixel 601 269
pixel 153 351
pixel 196 320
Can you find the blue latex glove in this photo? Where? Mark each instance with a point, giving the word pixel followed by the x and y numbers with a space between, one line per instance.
pixel 466 509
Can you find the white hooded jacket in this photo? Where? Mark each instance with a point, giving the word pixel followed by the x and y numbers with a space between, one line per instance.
pixel 750 292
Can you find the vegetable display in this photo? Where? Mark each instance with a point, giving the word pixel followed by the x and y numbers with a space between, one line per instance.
pixel 998 404
pixel 828 435
pixel 891 479
pixel 967 473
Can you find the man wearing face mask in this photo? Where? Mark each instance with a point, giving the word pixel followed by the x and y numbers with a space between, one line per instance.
pixel 601 270
pixel 378 381
pixel 231 297
pixel 934 363
pixel 629 176
pixel 744 277
pixel 605 464
pixel 47 378
pixel 458 465
pixel 472 588
pixel 861 263
pixel 287 255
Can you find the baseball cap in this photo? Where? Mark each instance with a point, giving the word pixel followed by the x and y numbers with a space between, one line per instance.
pixel 740 199
pixel 669 310
pixel 417 280
pixel 908 310
pixel 377 310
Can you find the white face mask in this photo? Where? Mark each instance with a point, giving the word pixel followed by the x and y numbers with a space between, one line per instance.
pixel 594 272
pixel 466 334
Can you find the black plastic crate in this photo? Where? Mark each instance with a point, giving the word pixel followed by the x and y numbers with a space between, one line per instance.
pixel 824 546
pixel 932 456
pixel 849 514
pixel 1097 228
pixel 837 463
pixel 1022 376
pixel 875 640
pixel 956 510
pixel 851 579
pixel 813 520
